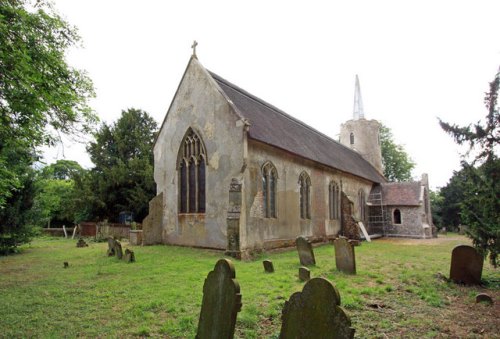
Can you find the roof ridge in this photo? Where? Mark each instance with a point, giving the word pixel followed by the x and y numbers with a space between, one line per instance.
pixel 277 110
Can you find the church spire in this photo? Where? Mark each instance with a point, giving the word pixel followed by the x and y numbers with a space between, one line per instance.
pixel 358 112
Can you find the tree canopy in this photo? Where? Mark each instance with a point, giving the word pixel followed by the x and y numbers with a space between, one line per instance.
pixel 397 163
pixel 480 200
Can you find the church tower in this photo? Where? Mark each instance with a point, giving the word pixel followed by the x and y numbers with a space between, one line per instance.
pixel 362 135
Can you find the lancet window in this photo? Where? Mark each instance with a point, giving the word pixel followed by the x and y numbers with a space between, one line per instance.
pixel 334 200
pixel 269 184
pixel 305 198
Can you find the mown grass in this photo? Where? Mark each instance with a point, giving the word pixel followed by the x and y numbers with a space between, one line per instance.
pixel 395 292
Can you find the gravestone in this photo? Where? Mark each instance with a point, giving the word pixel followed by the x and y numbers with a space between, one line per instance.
pixel 484 298
pixel 315 313
pixel 129 255
pixel 268 266
pixel 66 264
pixel 344 255
pixel 304 273
pixel 81 243
pixel 111 247
pixel 221 302
pixel 466 265
pixel 118 249
pixel 306 254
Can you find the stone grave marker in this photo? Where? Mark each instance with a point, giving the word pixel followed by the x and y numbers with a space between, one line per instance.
pixel 81 243
pixel 466 265
pixel 306 254
pixel 221 302
pixel 66 264
pixel 315 313
pixel 111 247
pixel 304 273
pixel 129 255
pixel 118 249
pixel 485 298
pixel 268 266
pixel 344 255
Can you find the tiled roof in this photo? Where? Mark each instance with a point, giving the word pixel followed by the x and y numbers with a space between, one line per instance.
pixel 272 126
pixel 401 193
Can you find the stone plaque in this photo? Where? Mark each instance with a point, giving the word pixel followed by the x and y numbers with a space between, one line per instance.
pixel 268 266
pixel 344 255
pixel 129 255
pixel 221 302
pixel 466 265
pixel 306 254
pixel 304 273
pixel 315 313
pixel 111 247
pixel 118 249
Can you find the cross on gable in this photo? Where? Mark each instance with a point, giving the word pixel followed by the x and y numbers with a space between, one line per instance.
pixel 193 46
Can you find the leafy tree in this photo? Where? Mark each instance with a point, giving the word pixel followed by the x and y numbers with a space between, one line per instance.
pixel 397 164
pixel 41 96
pixel 480 203
pixel 437 208
pixel 122 179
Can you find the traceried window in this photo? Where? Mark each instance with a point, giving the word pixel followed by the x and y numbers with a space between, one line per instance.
pixel 333 200
pixel 397 216
pixel 362 205
pixel 191 168
pixel 269 184
pixel 305 198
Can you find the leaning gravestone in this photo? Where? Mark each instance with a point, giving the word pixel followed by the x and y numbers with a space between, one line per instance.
pixel 466 265
pixel 268 266
pixel 304 273
pixel 111 247
pixel 221 302
pixel 306 254
pixel 344 255
pixel 129 256
pixel 315 313
pixel 118 249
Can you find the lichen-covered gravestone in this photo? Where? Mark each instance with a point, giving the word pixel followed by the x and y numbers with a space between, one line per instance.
pixel 304 273
pixel 306 254
pixel 118 249
pixel 344 255
pixel 111 247
pixel 268 266
pixel 129 255
pixel 466 265
pixel 221 302
pixel 315 313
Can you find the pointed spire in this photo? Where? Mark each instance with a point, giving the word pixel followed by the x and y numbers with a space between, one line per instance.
pixel 358 112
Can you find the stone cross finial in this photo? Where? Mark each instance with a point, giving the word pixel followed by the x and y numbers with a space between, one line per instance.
pixel 193 46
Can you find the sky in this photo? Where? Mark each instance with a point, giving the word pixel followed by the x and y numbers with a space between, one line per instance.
pixel 416 61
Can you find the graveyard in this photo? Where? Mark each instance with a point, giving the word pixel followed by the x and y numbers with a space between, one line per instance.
pixel 399 288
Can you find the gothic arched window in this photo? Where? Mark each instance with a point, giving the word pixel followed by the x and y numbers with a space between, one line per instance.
pixel 397 216
pixel 305 199
pixel 351 138
pixel 362 205
pixel 191 167
pixel 333 200
pixel 269 184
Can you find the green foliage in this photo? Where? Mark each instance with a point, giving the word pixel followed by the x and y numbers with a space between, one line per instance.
pixel 437 208
pixel 397 163
pixel 122 179
pixel 480 179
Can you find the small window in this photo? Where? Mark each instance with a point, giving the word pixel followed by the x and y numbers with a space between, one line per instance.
pixel 397 216
pixel 333 201
pixel 269 181
pixel 351 137
pixel 305 199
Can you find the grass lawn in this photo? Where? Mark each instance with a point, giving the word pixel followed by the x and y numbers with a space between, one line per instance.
pixel 396 293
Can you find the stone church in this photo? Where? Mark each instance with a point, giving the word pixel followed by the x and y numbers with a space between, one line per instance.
pixel 234 172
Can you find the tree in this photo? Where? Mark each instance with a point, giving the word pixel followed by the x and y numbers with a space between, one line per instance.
pixel 437 208
pixel 122 179
pixel 397 164
pixel 480 203
pixel 41 96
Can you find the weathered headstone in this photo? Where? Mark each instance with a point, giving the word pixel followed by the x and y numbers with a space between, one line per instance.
pixel 268 266
pixel 118 249
pixel 306 254
pixel 315 313
pixel 221 302
pixel 304 273
pixel 81 243
pixel 129 255
pixel 485 298
pixel 466 265
pixel 111 247
pixel 66 264
pixel 344 255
